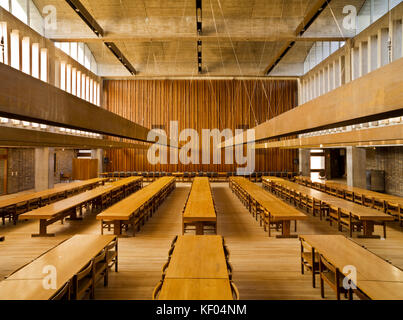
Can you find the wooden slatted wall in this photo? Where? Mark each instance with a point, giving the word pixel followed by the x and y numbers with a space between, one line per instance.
pixel 200 104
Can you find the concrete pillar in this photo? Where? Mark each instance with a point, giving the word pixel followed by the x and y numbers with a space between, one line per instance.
pixel 99 155
pixel 44 168
pixel 305 162
pixel 356 167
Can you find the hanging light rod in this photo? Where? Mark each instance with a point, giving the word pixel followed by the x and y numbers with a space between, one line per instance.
pixel 96 28
pixel 119 55
pixel 86 17
pixel 308 20
pixel 199 28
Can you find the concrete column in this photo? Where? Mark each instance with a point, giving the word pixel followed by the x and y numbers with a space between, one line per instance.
pixel 44 168
pixel 99 155
pixel 356 167
pixel 305 162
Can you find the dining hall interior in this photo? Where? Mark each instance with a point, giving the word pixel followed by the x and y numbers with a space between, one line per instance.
pixel 201 150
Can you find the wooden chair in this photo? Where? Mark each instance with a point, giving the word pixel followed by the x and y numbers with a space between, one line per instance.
pixel 334 278
pixel 235 292
pixel 100 269
pixel 349 221
pixel 83 282
pixel 157 290
pixel 112 254
pixel 309 260
pixel 63 293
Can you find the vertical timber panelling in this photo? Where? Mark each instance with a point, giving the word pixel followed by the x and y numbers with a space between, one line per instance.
pixel 200 104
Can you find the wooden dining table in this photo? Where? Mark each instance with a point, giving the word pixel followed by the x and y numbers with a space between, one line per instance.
pixel 377 278
pixel 366 215
pixel 67 259
pixel 133 208
pixel 42 198
pixel 68 207
pixel 199 209
pixel 197 270
pixel 274 208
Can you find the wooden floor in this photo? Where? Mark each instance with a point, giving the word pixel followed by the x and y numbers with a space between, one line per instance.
pixel 264 268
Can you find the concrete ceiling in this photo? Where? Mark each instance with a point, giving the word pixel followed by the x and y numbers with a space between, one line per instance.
pixel 159 37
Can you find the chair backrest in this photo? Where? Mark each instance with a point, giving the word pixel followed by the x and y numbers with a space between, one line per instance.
pixel 100 257
pixel 85 271
pixel 63 293
pixel 112 245
pixel 325 265
pixel 157 290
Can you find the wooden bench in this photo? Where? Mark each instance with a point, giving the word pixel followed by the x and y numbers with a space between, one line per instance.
pixel 199 211
pixel 68 259
pixel 13 207
pixel 344 213
pixel 375 278
pixel 197 269
pixel 135 209
pixel 271 211
pixel 58 211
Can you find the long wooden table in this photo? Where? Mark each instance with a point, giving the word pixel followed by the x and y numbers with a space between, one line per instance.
pixel 139 206
pixel 385 202
pixel 376 278
pixel 68 207
pixel 199 210
pixel 269 208
pixel 367 216
pixel 197 270
pixel 17 205
pixel 68 258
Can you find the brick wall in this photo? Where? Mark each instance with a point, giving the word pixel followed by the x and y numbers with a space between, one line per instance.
pixel 64 163
pixel 390 160
pixel 21 170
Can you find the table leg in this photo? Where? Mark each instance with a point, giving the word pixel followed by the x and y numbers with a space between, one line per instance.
pixel 199 229
pixel 43 230
pixel 286 231
pixel 368 231
pixel 117 228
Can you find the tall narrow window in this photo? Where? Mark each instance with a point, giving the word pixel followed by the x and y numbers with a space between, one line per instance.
pixel 15 49
pixel 73 50
pixel 63 76
pixel 74 81
pixel 26 55
pixel 19 8
pixel 87 88
pixel 5 4
pixel 68 78
pixel 98 95
pixel 4 41
pixel 44 65
pixel 35 60
pixel 65 46
pixel 81 53
pixel 83 86
pixel 79 84
pixel 91 91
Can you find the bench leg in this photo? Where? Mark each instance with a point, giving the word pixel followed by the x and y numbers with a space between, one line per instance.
pixel 368 230
pixel 286 231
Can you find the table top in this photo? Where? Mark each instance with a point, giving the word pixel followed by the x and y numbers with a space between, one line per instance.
pixel 68 258
pixel 46 193
pixel 277 208
pixel 200 204
pixel 341 252
pixel 198 257
pixel 196 289
pixel 357 210
pixel 382 290
pixel 49 211
pixel 125 208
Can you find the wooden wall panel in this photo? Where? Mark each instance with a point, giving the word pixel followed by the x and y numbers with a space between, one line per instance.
pixel 85 169
pixel 200 104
